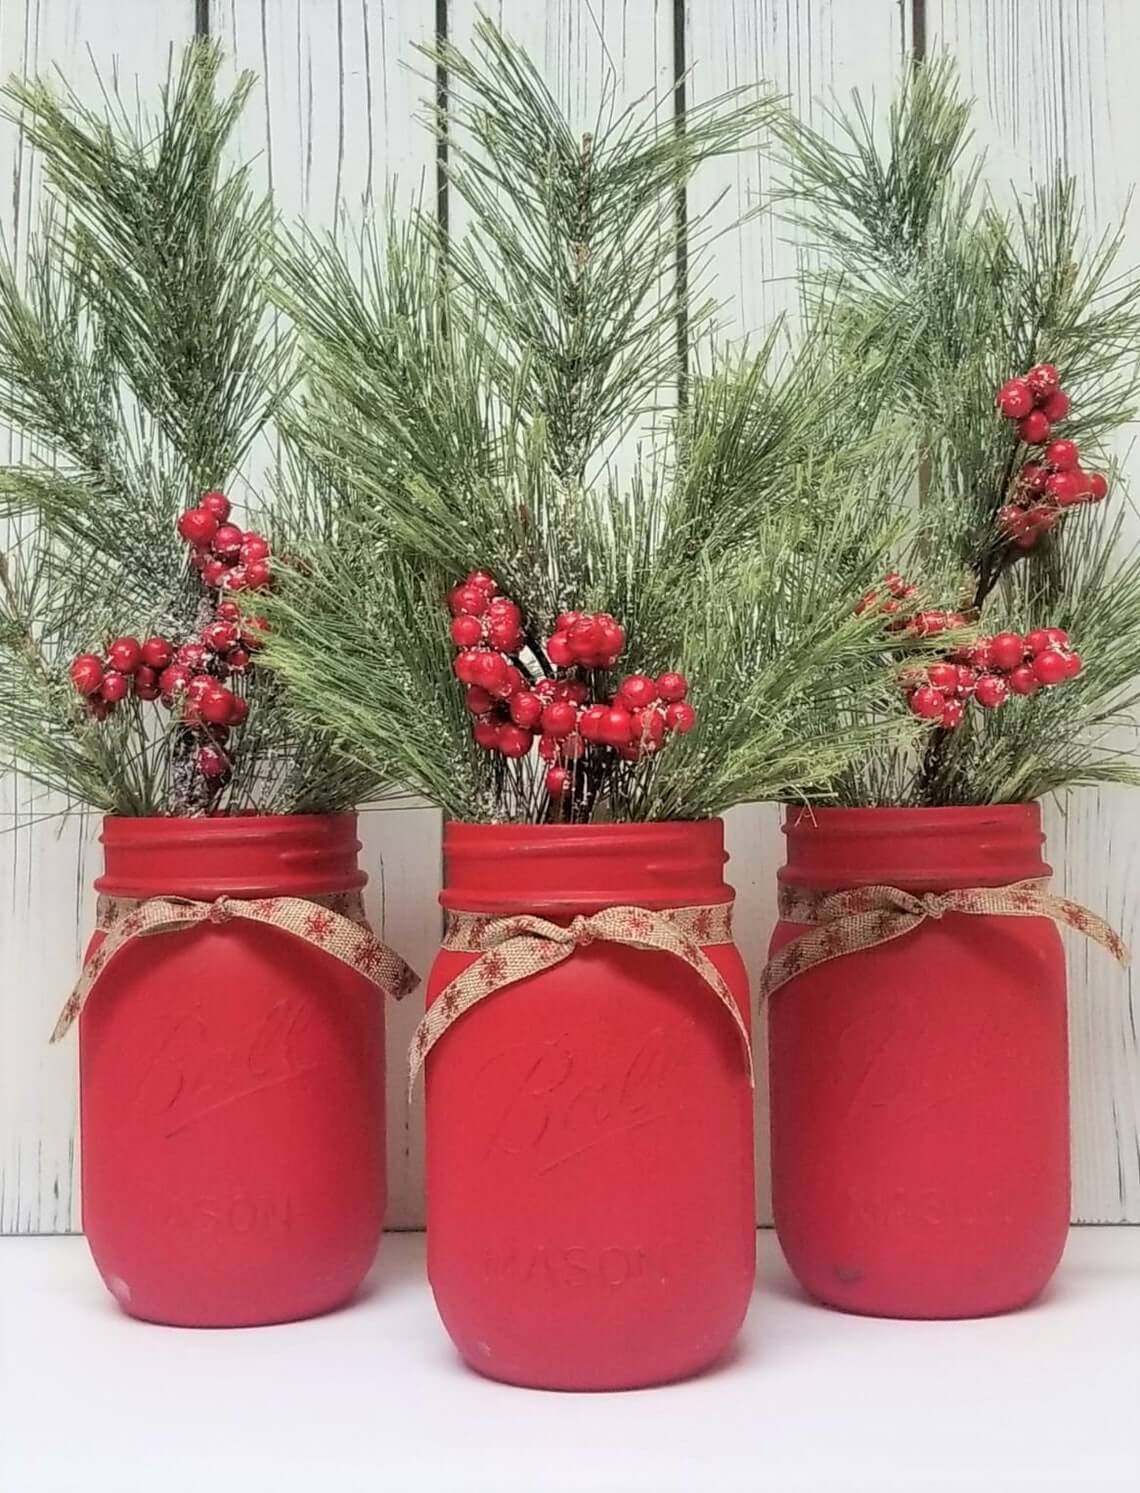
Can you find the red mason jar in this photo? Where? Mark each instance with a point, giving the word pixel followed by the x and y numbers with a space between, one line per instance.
pixel 232 1084
pixel 919 1089
pixel 590 1192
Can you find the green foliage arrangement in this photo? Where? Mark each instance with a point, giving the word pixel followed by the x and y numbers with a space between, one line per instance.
pixel 522 398
pixel 139 366
pixel 925 275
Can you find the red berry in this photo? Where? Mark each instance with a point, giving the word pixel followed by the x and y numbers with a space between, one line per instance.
pixel 616 726
pixel 1073 664
pixel 1049 666
pixel 612 640
pixel 219 637
pixel 1015 399
pixel 649 728
pixel 484 580
pixel 86 673
pixel 1037 640
pixel 487 734
pixel 1034 429
pixel 991 691
pixel 574 690
pixel 254 630
pixel 214 573
pixel 257 575
pixel 927 702
pixel 559 718
pixel 979 654
pixel 943 676
pixel 558 651
pixel 513 741
pixel 125 654
pixel 1062 455
pixel 548 748
pixel 566 621
pixel 1023 681
pixel 197 526
pixel 218 504
pixel 227 542
pixel 503 609
pixel 173 680
pixel 146 683
pixel 1065 488
pixel 466 631
pixel 212 761
pixel 526 710
pixel 680 717
pixel 557 781
pixel 672 687
pixel 479 702
pixel 637 691
pixel 253 547
pixel 966 679
pixel 1056 407
pixel 512 683
pixel 468 601
pixel 1043 379
pixel 1032 476
pixel 192 655
pixel 239 709
pixel 506 636
pixel 952 713
pixel 228 611
pixel 1007 650
pixel 216 705
pixel 1098 486
pixel 157 653
pixel 584 639
pixel 114 688
pixel 571 747
pixel 235 579
pixel 591 722
pixel 465 665
pixel 200 686
pixel 490 670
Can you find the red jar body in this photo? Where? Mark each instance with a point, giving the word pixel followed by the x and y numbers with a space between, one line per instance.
pixel 232 1085
pixel 590 1193
pixel 919 1089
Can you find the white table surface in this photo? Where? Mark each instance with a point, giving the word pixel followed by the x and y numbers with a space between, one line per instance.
pixel 373 1397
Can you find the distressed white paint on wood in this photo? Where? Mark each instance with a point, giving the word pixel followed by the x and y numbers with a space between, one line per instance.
pixel 810 51
pixel 331 124
pixel 1056 81
pixel 46 868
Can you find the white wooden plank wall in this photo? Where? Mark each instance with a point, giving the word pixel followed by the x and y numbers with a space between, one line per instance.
pixel 331 122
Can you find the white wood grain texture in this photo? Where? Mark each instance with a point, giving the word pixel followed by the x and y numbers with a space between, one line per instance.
pixel 46 868
pixel 813 52
pixel 1056 81
pixel 331 125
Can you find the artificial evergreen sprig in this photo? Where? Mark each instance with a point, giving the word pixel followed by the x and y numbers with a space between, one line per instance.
pixel 138 364
pixel 921 269
pixel 471 394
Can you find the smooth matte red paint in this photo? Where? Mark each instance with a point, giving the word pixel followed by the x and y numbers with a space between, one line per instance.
pixel 232 1085
pixel 919 1090
pixel 591 1220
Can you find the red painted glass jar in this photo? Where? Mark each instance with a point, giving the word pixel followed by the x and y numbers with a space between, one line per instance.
pixel 590 1193
pixel 232 1084
pixel 919 1089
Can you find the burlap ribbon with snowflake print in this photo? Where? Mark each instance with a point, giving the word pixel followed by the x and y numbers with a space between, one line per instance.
pixel 863 917
pixel 334 924
pixel 513 948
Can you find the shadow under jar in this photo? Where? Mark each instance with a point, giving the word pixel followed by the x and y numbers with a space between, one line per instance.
pixel 920 1088
pixel 590 1207
pixel 232 1084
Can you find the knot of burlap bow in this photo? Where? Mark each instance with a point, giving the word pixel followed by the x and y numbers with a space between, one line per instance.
pixel 512 948
pixel 845 922
pixel 335 924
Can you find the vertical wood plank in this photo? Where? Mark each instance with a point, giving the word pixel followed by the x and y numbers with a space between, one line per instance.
pixel 46 868
pixel 814 52
pixel 1055 82
pixel 333 122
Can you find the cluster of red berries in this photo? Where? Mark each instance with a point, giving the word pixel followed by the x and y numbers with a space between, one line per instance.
pixel 189 677
pixel 511 709
pixel 227 558
pixel 1043 490
pixel 989 671
pixel 896 602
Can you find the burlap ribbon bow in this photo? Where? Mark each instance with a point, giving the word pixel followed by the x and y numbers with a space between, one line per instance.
pixel 335 924
pixel 863 917
pixel 513 948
